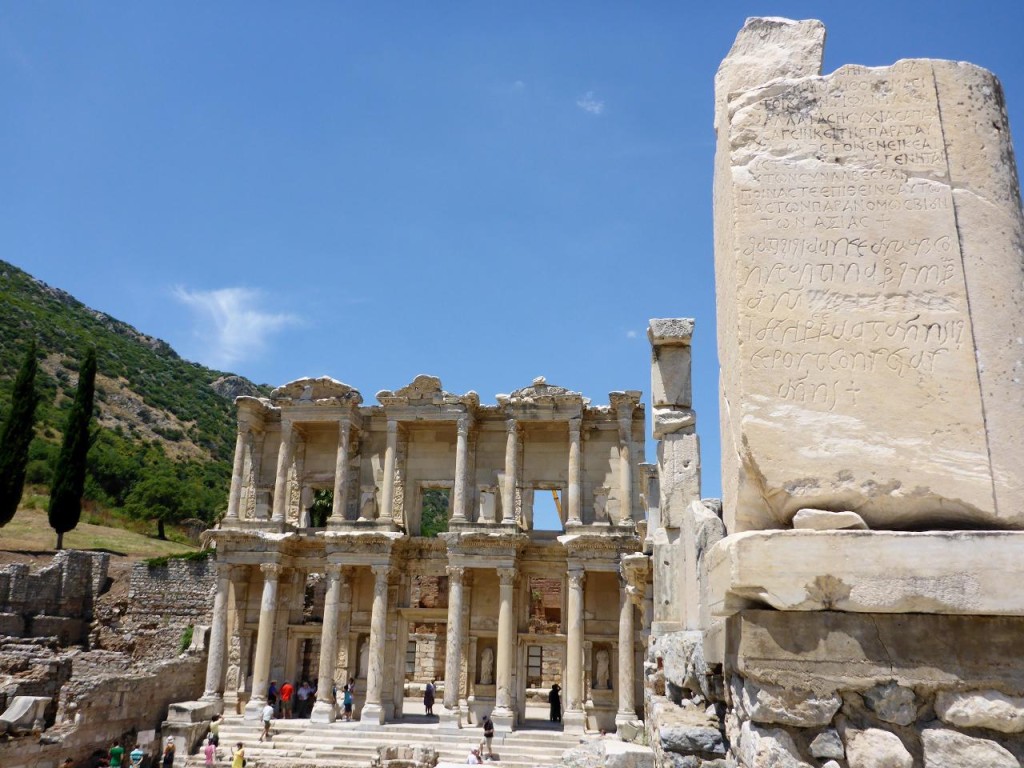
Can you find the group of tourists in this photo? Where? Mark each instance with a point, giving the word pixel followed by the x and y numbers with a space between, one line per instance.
pixel 120 757
pixel 289 702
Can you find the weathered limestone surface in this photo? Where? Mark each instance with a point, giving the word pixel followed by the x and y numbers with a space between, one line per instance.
pixel 949 749
pixel 957 572
pixel 825 649
pixel 981 709
pixel 875 748
pixel 772 704
pixel 892 703
pixel 868 252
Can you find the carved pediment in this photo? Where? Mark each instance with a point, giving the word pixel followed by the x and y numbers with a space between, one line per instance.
pixel 425 390
pixel 323 390
pixel 540 393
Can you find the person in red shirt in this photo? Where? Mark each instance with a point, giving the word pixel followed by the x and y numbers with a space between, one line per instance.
pixel 287 696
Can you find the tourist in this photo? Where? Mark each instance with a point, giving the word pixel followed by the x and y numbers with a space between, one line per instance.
pixel 116 755
pixel 215 731
pixel 287 694
pixel 267 715
pixel 137 756
pixel 238 756
pixel 474 758
pixel 488 735
pixel 346 700
pixel 303 697
pixel 274 697
pixel 428 699
pixel 168 758
pixel 555 700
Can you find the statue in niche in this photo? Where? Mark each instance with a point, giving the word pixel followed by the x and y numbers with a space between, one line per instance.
pixel 487 667
pixel 368 503
pixel 603 679
pixel 364 658
pixel 601 505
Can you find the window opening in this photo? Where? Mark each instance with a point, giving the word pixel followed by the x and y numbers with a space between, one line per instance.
pixel 320 509
pixel 434 513
pixel 547 510
pixel 534 666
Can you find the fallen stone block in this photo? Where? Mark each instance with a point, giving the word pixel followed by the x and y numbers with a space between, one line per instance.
pixel 24 713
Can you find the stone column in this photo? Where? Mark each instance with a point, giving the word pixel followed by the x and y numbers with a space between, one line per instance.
pixel 387 497
pixel 503 714
pixel 453 645
pixel 459 491
pixel 574 718
pixel 625 468
pixel 341 474
pixel 508 493
pixel 235 496
pixel 373 711
pixel 575 505
pixel 214 689
pixel 627 705
pixel 264 641
pixel 324 710
pixel 284 462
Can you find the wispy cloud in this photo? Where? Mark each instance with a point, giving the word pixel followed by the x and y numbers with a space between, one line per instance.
pixel 631 334
pixel 518 86
pixel 230 324
pixel 588 102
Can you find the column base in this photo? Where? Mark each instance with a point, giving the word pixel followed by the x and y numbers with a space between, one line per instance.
pixel 373 715
pixel 574 721
pixel 216 700
pixel 504 719
pixel 254 708
pixel 450 718
pixel 323 712
pixel 624 718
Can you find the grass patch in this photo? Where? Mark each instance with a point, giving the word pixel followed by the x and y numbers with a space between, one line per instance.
pixel 160 562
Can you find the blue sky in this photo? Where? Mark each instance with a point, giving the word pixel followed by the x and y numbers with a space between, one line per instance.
pixel 484 192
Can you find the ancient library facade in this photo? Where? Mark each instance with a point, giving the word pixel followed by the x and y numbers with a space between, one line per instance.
pixel 404 542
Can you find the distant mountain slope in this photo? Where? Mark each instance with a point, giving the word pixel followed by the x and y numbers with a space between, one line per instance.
pixel 150 402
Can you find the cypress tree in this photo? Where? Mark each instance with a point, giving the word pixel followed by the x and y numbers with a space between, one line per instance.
pixel 69 474
pixel 16 436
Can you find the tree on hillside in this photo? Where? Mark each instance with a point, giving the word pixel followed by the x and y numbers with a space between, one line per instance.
pixel 160 496
pixel 69 474
pixel 17 435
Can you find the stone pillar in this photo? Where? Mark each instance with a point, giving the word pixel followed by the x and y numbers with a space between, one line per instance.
pixel 341 474
pixel 284 462
pixel 574 718
pixel 508 493
pixel 627 704
pixel 214 689
pixel 373 711
pixel 625 467
pixel 503 714
pixel 459 491
pixel 264 641
pixel 575 504
pixel 387 497
pixel 324 710
pixel 235 496
pixel 453 646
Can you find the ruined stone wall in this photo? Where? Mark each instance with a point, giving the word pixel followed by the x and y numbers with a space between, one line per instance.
pixel 163 601
pixel 56 600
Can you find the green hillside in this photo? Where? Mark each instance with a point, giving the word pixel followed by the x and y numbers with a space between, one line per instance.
pixel 165 426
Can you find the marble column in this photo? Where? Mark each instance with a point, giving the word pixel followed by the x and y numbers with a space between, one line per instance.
pixel 627 704
pixel 284 463
pixel 503 714
pixel 340 474
pixel 575 503
pixel 574 718
pixel 508 493
pixel 459 491
pixel 373 711
pixel 453 645
pixel 214 689
pixel 387 497
pixel 625 469
pixel 235 496
pixel 264 641
pixel 324 710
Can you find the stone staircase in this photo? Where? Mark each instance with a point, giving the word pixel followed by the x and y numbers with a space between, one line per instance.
pixel 301 744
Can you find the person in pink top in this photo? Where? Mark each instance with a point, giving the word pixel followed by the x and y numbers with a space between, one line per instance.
pixel 209 752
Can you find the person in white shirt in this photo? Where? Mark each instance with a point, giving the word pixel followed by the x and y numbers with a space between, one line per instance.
pixel 268 715
pixel 474 758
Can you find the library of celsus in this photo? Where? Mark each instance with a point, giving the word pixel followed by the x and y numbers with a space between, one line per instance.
pixel 398 544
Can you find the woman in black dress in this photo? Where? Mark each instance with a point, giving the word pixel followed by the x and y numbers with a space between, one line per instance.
pixel 555 700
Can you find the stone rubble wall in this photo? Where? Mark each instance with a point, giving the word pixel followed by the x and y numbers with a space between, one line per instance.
pixel 163 601
pixel 56 600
